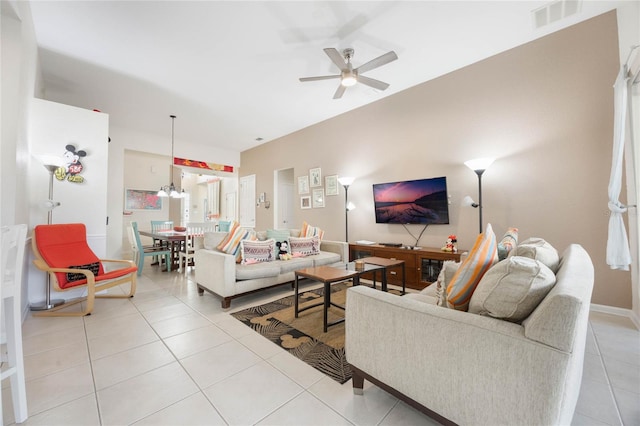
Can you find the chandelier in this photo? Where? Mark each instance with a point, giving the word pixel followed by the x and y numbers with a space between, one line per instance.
pixel 170 190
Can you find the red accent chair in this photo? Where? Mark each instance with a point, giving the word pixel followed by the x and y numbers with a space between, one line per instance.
pixel 62 251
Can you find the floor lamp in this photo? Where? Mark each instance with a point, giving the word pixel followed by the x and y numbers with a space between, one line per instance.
pixel 346 182
pixel 478 165
pixel 51 164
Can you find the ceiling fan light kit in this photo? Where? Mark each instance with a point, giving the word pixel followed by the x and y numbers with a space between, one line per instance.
pixel 349 76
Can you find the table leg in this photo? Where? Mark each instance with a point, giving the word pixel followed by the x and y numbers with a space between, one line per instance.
pixel 384 279
pixel 295 301
pixel 327 301
pixel 403 279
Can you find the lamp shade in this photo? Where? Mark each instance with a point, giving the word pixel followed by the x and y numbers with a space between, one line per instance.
pixel 346 180
pixel 479 163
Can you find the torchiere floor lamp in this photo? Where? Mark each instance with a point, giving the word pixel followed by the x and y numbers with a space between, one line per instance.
pixel 479 165
pixel 346 182
pixel 51 163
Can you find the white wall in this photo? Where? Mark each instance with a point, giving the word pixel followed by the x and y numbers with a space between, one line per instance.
pixel 52 127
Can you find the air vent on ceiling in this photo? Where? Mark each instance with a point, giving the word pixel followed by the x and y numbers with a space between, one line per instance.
pixel 555 11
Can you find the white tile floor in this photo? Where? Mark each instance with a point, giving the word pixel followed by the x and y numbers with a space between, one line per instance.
pixel 171 357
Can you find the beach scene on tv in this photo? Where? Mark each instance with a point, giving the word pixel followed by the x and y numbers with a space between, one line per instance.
pixel 421 201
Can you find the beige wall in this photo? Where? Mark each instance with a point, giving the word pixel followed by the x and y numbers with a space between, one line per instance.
pixel 543 110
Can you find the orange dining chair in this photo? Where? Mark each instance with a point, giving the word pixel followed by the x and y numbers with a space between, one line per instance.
pixel 62 251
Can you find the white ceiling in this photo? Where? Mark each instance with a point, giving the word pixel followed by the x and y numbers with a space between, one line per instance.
pixel 229 70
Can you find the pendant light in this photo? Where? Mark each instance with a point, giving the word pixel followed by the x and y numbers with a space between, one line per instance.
pixel 170 191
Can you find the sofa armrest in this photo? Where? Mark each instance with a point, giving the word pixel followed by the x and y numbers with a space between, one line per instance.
pixel 216 271
pixel 338 247
pixel 455 363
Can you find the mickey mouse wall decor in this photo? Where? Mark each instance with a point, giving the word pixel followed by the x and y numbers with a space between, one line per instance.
pixel 73 167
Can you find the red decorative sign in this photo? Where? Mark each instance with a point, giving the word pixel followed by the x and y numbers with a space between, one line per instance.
pixel 202 165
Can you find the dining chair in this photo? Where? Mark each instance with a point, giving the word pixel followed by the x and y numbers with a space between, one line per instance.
pixel 62 251
pixel 13 241
pixel 146 251
pixel 194 241
pixel 159 226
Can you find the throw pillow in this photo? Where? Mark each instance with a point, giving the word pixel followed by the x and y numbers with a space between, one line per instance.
pixel 76 276
pixel 512 289
pixel 449 268
pixel 257 251
pixel 231 244
pixel 538 249
pixel 304 246
pixel 481 257
pixel 311 231
pixel 507 243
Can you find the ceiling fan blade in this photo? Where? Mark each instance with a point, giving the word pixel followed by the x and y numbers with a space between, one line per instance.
pixel 322 77
pixel 372 82
pixel 335 57
pixel 339 92
pixel 378 62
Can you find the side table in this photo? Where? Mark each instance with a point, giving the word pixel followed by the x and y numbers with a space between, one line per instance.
pixel 386 263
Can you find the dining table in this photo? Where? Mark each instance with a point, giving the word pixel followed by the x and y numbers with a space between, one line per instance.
pixel 175 240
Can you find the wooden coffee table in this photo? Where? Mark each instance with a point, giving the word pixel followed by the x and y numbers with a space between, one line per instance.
pixel 386 263
pixel 328 275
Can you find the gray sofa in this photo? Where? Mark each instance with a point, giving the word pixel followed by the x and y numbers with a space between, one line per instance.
pixel 473 369
pixel 218 272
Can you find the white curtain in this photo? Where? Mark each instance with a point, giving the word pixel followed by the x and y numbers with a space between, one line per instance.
pixel 618 254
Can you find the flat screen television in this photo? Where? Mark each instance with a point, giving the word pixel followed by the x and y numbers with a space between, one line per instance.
pixel 421 201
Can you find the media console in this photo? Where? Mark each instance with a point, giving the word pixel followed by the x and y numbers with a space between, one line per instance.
pixel 422 265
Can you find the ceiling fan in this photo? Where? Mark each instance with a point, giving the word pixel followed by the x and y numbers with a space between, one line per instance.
pixel 348 75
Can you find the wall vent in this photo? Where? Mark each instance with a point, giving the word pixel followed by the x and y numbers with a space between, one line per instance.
pixel 555 11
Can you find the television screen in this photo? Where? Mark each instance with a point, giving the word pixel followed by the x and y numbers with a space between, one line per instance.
pixel 422 201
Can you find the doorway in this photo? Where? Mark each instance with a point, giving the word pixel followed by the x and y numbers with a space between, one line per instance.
pixel 284 201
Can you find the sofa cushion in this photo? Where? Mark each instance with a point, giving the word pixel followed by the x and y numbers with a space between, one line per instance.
pixel 481 257
pixel 512 289
pixel 324 258
pixel 311 231
pixel 304 246
pixel 257 270
pixel 507 243
pixel 212 239
pixel 294 264
pixel 538 249
pixel 257 251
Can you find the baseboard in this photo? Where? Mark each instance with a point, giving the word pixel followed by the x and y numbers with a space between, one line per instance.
pixel 612 310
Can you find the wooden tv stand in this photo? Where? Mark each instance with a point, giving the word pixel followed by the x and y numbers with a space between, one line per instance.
pixel 422 266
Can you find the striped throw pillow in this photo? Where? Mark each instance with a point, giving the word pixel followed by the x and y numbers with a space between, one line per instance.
pixel 311 231
pixel 507 243
pixel 231 243
pixel 482 256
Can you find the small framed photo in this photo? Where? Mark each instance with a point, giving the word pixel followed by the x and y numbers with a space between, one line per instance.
pixel 316 177
pixel 331 185
pixel 303 184
pixel 305 202
pixel 318 198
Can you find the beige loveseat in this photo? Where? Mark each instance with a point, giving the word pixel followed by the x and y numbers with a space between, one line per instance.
pixel 474 369
pixel 218 272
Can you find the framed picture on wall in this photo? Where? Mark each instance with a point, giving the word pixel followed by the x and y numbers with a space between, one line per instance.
pixel 318 198
pixel 316 177
pixel 305 202
pixel 140 199
pixel 303 184
pixel 331 185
